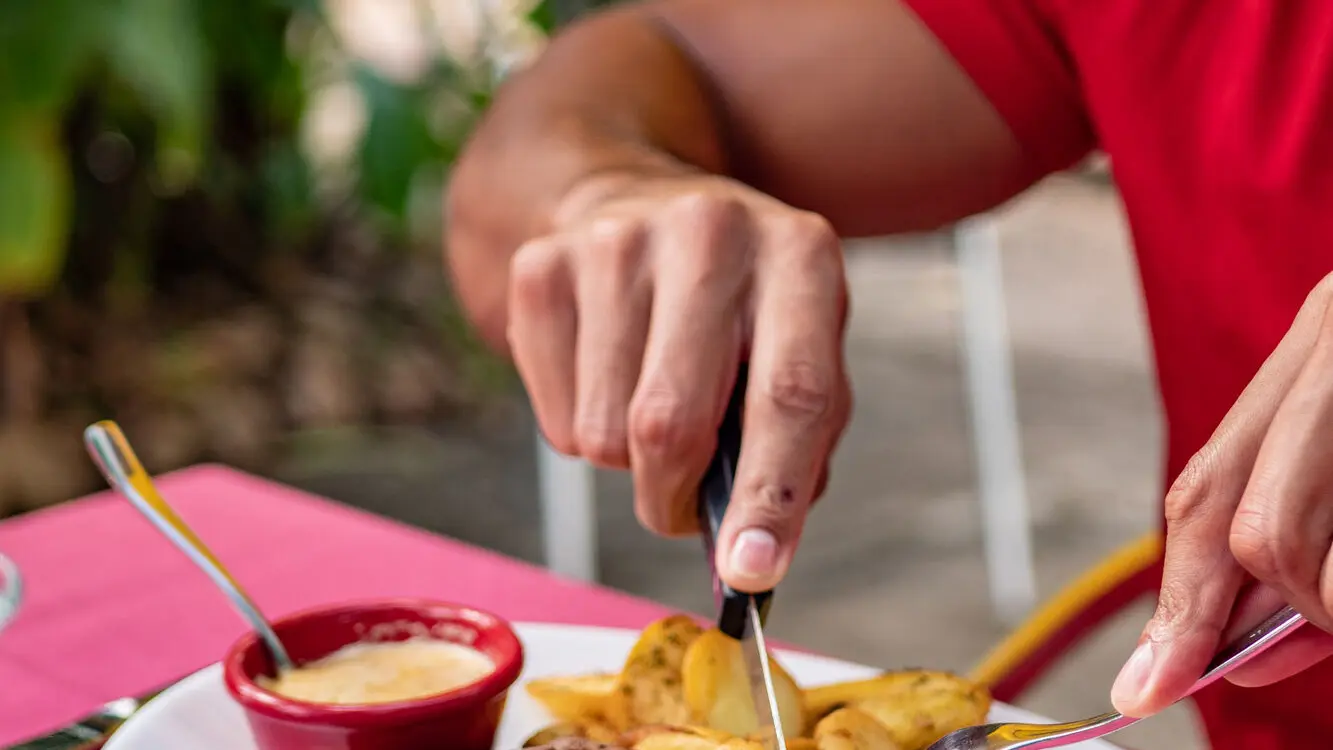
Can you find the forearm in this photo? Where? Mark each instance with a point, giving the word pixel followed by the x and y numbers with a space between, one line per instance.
pixel 846 108
pixel 614 96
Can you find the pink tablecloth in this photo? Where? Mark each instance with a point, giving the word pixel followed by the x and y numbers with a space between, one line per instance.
pixel 112 609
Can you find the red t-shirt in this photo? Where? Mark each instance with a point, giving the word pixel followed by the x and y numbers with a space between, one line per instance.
pixel 1218 118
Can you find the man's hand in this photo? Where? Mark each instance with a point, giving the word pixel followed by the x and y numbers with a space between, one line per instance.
pixel 629 320
pixel 587 239
pixel 1250 519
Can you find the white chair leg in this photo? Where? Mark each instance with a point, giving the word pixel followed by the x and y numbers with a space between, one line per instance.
pixel 990 385
pixel 569 513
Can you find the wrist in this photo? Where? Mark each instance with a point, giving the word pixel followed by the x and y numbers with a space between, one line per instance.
pixel 617 179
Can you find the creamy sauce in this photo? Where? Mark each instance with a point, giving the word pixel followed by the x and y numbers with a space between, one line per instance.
pixel 383 673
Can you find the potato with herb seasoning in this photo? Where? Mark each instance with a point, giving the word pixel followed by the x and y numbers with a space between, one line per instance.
pixel 585 699
pixel 717 687
pixel 650 690
pixel 852 729
pixel 686 688
pixel 916 706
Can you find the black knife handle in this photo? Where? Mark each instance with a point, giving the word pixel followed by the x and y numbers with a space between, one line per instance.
pixel 714 498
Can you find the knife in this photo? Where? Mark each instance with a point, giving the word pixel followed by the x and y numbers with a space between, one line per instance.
pixel 740 615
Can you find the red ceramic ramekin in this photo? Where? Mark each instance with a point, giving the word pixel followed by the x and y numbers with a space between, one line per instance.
pixel 462 719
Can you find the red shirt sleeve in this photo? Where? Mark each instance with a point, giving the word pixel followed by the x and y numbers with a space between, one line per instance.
pixel 1012 51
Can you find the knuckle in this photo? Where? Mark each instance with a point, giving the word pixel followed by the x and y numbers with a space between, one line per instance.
pixel 560 439
pixel 1250 545
pixel 661 423
pixel 1255 542
pixel 1190 490
pixel 603 444
pixel 536 274
pixel 713 243
pixel 617 238
pixel 810 246
pixel 708 208
pixel 800 389
pixel 806 230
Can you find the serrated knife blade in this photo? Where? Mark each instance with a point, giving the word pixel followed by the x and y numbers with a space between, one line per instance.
pixel 755 650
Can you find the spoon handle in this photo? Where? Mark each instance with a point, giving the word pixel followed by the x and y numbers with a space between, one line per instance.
pixel 121 467
pixel 1257 640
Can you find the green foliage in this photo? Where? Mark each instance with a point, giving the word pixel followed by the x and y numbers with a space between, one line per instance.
pixel 396 141
pixel 158 48
pixel 34 203
pixel 120 117
pixel 548 15
pixel 543 16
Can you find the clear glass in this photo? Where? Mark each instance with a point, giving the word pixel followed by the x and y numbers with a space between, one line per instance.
pixel 11 590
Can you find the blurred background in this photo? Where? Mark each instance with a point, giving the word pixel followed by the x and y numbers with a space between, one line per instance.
pixel 220 225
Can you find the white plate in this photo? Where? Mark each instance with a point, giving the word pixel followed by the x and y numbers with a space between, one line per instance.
pixel 197 713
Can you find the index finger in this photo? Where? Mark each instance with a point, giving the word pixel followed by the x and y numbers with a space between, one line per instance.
pixel 791 411
pixel 1201 576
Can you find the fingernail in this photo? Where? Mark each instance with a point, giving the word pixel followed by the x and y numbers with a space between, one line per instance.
pixel 755 554
pixel 1133 679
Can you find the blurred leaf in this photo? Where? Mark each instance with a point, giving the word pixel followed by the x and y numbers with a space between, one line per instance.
pixel 397 142
pixel 481 99
pixel 313 7
pixel 44 46
pixel 249 39
pixel 288 190
pixel 158 47
pixel 543 16
pixel 549 15
pixel 35 196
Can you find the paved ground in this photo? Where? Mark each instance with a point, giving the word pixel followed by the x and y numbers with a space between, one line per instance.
pixel 891 571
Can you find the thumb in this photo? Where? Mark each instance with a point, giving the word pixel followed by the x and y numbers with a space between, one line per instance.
pixel 1200 580
pixel 1200 576
pixel 758 539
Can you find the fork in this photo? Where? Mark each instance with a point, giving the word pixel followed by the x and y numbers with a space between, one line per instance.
pixel 1032 736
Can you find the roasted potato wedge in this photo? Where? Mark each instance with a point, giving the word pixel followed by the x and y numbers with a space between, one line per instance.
pixel 649 688
pixel 552 733
pixel 852 729
pixel 568 729
pixel 917 707
pixel 684 688
pixel 579 700
pixel 717 688
pixel 793 743
pixel 676 741
pixel 684 738
pixel 639 734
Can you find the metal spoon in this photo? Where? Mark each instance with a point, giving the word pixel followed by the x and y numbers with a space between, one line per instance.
pixel 113 455
pixel 1279 625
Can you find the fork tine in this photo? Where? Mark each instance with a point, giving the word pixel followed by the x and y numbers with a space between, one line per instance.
pixel 1032 736
pixel 971 738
